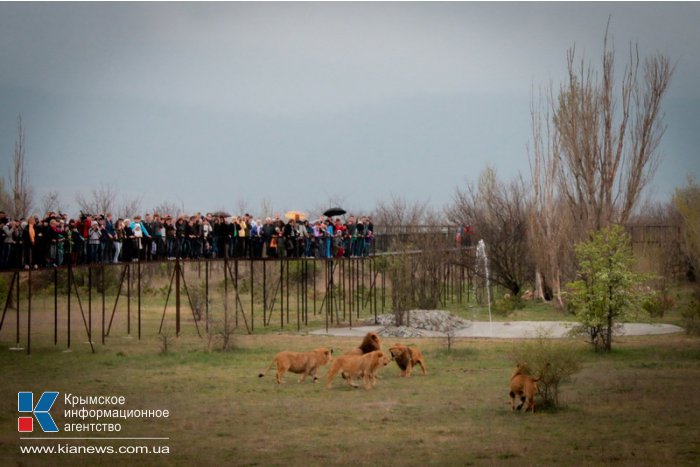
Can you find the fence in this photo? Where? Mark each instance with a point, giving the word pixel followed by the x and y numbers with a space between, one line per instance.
pixel 658 247
pixel 387 235
pixel 96 302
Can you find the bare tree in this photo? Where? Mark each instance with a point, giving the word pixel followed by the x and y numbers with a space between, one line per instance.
pixel 5 198
pixel 129 207
pixel 242 205
pixel 549 220
pixel 266 209
pixel 609 142
pixel 50 202
pixel 399 212
pixel 498 211
pixel 168 207
pixel 416 268
pixel 102 200
pixel 331 201
pixel 22 194
pixel 594 150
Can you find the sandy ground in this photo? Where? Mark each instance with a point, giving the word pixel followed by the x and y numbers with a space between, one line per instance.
pixel 515 329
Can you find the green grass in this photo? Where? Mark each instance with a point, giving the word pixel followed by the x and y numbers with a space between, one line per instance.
pixel 632 407
pixel 638 405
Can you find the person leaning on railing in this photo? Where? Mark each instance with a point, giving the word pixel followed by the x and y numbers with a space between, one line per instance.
pixel 53 237
pixel 119 237
pixel 57 240
pixel 10 237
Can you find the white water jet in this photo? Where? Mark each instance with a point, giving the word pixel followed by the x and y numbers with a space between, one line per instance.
pixel 481 254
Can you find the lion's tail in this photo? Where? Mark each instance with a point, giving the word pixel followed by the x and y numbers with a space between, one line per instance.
pixel 261 374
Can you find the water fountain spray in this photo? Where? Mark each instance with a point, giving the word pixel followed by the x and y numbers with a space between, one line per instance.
pixel 481 254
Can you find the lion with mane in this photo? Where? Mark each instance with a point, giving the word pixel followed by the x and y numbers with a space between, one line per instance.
pixel 370 343
pixel 406 357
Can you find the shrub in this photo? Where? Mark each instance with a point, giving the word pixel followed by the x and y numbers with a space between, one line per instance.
pixel 553 363
pixel 197 299
pixel 507 305
pixel 691 318
pixel 166 339
pixel 221 334
pixel 658 303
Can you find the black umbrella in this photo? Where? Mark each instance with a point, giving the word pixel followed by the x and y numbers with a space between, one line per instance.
pixel 334 212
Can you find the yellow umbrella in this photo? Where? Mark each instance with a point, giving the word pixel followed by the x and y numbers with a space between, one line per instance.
pixel 296 215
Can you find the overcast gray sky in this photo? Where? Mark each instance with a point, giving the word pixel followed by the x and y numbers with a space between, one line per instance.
pixel 225 104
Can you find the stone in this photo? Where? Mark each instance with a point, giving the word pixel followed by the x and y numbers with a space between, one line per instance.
pixel 421 320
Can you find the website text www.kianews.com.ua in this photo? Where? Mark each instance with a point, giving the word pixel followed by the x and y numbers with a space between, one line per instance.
pixel 63 448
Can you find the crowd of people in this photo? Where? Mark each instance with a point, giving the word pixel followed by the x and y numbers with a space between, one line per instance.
pixel 57 240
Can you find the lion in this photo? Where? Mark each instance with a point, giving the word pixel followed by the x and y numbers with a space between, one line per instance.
pixel 406 358
pixel 524 386
pixel 356 366
pixel 370 343
pixel 382 361
pixel 306 363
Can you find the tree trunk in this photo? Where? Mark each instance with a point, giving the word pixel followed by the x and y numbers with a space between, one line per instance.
pixel 557 291
pixel 609 331
pixel 538 285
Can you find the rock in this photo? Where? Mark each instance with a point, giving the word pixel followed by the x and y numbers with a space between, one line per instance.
pixel 399 331
pixel 428 320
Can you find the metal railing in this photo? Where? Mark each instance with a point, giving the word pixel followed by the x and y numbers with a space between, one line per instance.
pixel 98 300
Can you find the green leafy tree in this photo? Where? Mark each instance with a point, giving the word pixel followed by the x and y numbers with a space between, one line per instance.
pixel 607 291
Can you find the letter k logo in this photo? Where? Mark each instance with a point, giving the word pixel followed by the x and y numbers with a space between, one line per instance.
pixel 25 403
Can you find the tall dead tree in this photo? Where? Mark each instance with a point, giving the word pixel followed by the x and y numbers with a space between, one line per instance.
pixel 549 220
pixel 609 135
pixel 22 194
pixel 594 150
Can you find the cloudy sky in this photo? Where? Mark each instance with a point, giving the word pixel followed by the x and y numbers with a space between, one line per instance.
pixel 223 105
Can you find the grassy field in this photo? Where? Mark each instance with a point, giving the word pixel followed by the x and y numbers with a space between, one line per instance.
pixel 637 406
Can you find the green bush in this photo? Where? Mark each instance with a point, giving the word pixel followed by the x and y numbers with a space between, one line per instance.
pixel 507 305
pixel 553 362
pixel 658 304
pixel 502 308
pixel 691 318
